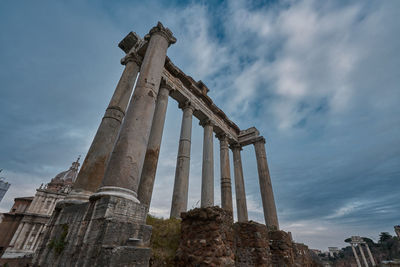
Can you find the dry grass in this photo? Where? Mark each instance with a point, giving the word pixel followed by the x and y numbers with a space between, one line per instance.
pixel 165 239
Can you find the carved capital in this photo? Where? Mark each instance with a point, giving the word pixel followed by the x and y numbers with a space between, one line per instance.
pixel 235 146
pixel 186 105
pixel 163 31
pixel 222 136
pixel 206 122
pixel 132 57
pixel 259 139
pixel 167 84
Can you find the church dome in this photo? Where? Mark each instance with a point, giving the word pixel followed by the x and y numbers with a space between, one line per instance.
pixel 65 178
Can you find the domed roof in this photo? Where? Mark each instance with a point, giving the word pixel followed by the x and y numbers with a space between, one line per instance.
pixel 66 177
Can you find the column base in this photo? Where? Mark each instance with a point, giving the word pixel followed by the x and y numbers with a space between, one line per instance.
pixel 108 230
pixel 115 191
pixel 74 197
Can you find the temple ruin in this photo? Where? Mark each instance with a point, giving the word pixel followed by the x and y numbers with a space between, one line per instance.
pixel 357 241
pixel 101 222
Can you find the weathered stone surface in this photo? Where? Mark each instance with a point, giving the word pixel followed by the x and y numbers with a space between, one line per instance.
pixel 252 244
pixel 207 171
pixel 226 185
pixel 241 203
pixel 267 194
pixel 281 247
pixel 181 183
pixel 302 256
pixel 206 238
pixel 126 162
pixel 148 175
pixel 93 168
pixel 97 233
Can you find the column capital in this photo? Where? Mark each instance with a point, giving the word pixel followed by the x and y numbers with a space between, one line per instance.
pixel 206 122
pixel 259 139
pixel 222 136
pixel 235 146
pixel 132 57
pixel 163 31
pixel 186 105
pixel 165 83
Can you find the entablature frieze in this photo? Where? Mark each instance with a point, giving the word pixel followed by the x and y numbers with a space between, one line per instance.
pixel 187 89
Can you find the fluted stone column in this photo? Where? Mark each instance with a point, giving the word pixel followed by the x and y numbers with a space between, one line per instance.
pixel 207 173
pixel 370 255
pixel 226 187
pixel 363 255
pixel 267 194
pixel 92 171
pixel 355 255
pixel 124 168
pixel 146 184
pixel 181 184
pixel 241 203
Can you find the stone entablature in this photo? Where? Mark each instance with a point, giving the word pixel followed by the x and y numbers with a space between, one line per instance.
pixel 188 90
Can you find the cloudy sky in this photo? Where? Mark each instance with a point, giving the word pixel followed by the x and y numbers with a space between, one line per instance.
pixel 319 79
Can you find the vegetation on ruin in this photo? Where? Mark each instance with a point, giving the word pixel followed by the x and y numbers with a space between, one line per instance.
pixel 165 239
pixel 58 244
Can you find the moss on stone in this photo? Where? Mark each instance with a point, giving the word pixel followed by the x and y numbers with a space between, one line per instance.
pixel 164 241
pixel 58 244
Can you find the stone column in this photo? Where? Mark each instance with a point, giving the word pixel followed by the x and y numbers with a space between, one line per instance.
pixel 146 184
pixel 226 187
pixel 370 255
pixel 355 255
pixel 93 167
pixel 207 172
pixel 241 203
pixel 122 175
pixel 363 255
pixel 181 184
pixel 267 194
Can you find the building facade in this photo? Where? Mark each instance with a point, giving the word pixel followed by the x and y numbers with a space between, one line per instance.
pixel 11 220
pixel 27 219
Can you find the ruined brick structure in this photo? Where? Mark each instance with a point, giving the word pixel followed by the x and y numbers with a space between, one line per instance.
pixel 209 237
pixel 102 221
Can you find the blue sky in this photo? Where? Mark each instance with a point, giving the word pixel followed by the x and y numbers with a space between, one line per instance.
pixel 319 79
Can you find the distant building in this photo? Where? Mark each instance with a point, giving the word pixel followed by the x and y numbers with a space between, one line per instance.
pixel 316 251
pixel 333 251
pixel 3 187
pixel 11 220
pixel 25 223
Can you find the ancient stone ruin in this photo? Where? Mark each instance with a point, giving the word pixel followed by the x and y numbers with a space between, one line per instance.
pixel 102 220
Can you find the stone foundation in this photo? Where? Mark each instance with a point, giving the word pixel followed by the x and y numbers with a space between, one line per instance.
pixel 281 246
pixel 108 231
pixel 206 238
pixel 251 244
pixel 302 255
pixel 209 238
